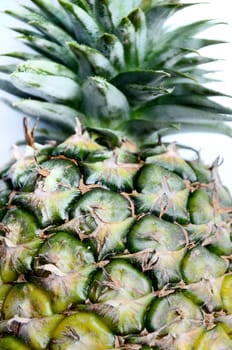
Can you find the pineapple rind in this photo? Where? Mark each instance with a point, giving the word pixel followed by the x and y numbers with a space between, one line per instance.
pixel 99 254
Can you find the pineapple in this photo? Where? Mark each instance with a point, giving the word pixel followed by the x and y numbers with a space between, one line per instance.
pixel 109 239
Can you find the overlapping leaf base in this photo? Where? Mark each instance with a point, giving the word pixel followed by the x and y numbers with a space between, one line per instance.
pixel 114 248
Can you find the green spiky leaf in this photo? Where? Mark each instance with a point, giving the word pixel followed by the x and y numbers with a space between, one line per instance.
pixel 110 105
pixel 55 114
pixel 85 27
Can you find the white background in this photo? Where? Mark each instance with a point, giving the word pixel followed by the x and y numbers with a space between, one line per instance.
pixel 210 145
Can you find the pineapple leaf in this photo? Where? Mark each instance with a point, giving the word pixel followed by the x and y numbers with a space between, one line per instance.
pixel 196 101
pixel 92 62
pixel 204 75
pixel 117 9
pixel 20 55
pixel 142 76
pixel 137 18
pixel 44 66
pixel 54 114
pixel 186 63
pixel 206 127
pixel 152 130
pixel 174 114
pixel 141 85
pixel 33 9
pixel 127 34
pixel 195 43
pixel 102 13
pixel 84 4
pixel 51 88
pixel 191 88
pixel 138 94
pixel 52 50
pixel 55 13
pixel 85 27
pixel 25 32
pixel 188 31
pixel 51 31
pixel 11 89
pixel 25 15
pixel 8 68
pixel 156 17
pixel 112 48
pixel 169 43
pixel 109 106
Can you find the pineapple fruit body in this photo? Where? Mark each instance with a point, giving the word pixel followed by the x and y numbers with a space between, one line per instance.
pixel 112 248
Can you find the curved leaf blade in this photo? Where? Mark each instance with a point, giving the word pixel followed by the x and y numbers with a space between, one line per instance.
pixel 48 87
pixel 57 115
pixel 45 66
pixel 52 50
pixel 85 27
pixel 55 13
pixel 8 87
pixel 112 48
pixel 109 106
pixel 92 62
pixel 174 114
pixel 137 18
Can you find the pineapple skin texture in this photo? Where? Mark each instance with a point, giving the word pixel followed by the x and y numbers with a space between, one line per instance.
pixel 109 248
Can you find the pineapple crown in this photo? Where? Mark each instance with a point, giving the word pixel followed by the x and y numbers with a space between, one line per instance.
pixel 113 65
